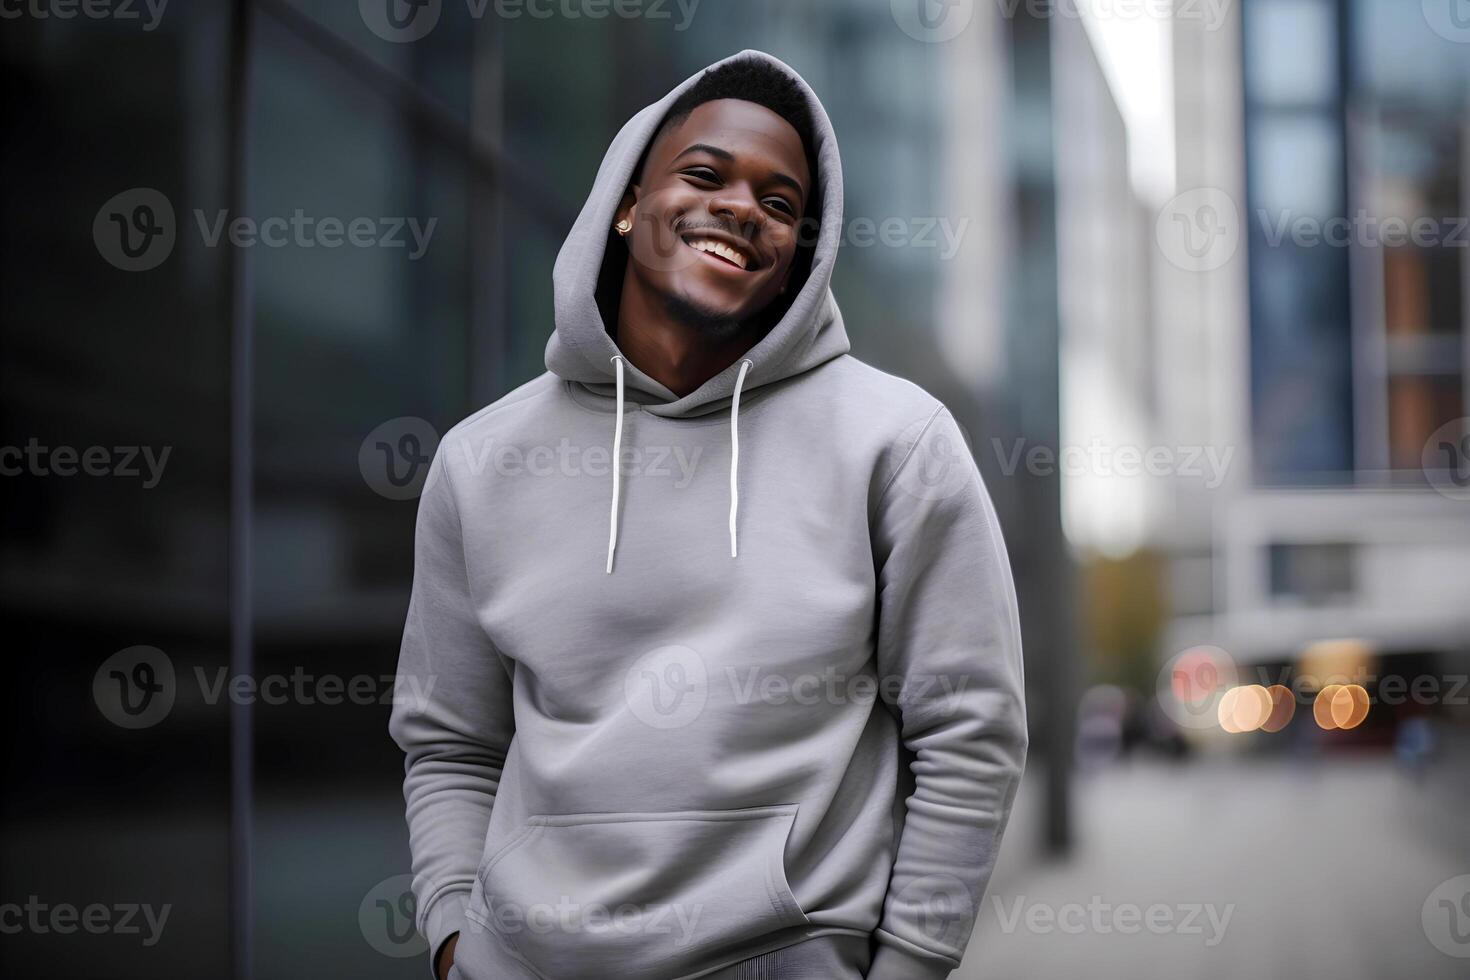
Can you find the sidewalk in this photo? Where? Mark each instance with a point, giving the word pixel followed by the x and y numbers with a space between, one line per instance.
pixel 1263 869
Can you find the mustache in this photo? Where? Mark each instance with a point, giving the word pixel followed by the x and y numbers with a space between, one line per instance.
pixel 745 233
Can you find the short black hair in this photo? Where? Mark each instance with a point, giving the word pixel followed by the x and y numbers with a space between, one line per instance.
pixel 750 80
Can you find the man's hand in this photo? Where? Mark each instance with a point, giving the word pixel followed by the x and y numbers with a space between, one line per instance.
pixel 446 957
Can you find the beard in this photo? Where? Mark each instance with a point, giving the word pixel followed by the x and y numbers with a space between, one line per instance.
pixel 714 324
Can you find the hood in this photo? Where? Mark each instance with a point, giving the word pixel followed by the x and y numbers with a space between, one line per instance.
pixel 809 334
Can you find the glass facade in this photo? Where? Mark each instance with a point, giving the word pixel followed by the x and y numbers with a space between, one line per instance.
pixel 402 206
pixel 1356 122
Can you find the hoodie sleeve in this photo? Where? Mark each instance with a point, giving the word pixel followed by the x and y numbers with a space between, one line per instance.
pixel 949 648
pixel 452 716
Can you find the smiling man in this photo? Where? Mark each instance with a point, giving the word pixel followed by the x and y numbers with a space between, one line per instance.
pixel 765 720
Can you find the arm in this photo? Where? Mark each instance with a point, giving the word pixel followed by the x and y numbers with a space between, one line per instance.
pixel 949 642
pixel 453 718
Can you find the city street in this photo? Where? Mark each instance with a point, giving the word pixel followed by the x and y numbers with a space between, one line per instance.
pixel 1327 867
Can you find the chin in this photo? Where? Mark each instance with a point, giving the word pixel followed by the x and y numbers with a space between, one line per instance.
pixel 715 321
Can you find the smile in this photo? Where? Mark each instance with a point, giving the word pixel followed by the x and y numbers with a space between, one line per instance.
pixel 720 251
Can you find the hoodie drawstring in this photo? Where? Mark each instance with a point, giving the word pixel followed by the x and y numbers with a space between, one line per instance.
pixel 617 455
pixel 617 458
pixel 735 451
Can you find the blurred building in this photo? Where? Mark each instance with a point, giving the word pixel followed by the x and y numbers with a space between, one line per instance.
pixel 270 548
pixel 1342 517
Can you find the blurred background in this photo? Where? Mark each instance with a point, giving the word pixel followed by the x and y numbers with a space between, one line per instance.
pixel 1191 273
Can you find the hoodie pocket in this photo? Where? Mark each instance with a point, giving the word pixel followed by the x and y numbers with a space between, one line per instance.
pixel 640 895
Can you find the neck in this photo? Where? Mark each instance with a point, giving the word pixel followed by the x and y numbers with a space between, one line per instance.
pixel 676 355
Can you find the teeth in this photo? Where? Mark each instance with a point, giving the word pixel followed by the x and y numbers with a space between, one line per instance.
pixel 718 248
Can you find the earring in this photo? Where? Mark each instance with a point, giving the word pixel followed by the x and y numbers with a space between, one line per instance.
pixel 624 226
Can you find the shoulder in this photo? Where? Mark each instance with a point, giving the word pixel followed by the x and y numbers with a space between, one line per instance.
pixel 886 403
pixel 508 411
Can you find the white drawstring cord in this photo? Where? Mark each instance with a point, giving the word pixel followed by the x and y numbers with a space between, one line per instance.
pixel 612 521
pixel 617 455
pixel 735 452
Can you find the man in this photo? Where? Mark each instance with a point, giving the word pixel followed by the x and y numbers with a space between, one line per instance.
pixel 748 705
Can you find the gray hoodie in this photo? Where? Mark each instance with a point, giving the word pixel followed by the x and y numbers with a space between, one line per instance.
pixel 718 702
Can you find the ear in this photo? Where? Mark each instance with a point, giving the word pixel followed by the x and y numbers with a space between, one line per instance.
pixel 627 204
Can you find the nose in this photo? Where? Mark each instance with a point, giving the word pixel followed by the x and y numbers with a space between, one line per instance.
pixel 737 204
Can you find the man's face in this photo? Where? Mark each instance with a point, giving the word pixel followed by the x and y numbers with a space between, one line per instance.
pixel 716 213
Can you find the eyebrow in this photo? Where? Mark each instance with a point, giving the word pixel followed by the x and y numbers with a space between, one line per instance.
pixel 726 155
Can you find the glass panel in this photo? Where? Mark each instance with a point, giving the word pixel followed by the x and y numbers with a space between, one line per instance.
pixel 1416 407
pixel 1291 51
pixel 114 498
